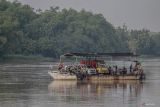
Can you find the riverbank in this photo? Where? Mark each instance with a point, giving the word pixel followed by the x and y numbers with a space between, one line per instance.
pixel 28 58
pixel 40 58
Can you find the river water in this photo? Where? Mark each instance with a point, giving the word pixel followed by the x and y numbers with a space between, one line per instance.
pixel 27 84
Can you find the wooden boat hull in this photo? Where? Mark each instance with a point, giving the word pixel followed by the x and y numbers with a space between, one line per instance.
pixel 113 77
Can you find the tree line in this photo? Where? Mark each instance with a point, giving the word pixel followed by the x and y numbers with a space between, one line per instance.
pixel 26 31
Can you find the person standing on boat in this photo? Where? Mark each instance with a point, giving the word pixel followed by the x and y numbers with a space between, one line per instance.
pixel 110 70
pixel 115 70
pixel 60 66
pixel 124 71
pixel 140 69
pixel 131 68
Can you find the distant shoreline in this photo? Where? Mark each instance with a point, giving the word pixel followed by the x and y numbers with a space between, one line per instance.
pixel 28 58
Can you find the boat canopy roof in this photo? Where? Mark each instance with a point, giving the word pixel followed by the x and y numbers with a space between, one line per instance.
pixel 100 55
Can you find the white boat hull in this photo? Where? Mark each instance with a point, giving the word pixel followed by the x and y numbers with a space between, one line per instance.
pixel 62 76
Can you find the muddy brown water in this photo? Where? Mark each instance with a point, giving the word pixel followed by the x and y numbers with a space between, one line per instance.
pixel 29 85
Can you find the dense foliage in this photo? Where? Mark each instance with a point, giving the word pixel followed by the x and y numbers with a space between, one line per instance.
pixel 53 32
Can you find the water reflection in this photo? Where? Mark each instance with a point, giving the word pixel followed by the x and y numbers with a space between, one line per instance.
pixel 69 91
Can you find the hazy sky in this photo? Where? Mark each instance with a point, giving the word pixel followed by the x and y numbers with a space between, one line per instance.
pixel 136 14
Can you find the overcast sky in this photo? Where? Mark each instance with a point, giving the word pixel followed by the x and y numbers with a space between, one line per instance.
pixel 136 14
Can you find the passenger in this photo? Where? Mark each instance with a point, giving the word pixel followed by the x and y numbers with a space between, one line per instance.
pixel 131 69
pixel 69 70
pixel 136 66
pixel 140 69
pixel 60 66
pixel 109 70
pixel 120 70
pixel 124 70
pixel 116 70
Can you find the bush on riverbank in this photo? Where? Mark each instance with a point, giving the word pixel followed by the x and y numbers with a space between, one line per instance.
pixel 50 33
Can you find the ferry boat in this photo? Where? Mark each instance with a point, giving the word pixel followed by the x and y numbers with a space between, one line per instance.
pixel 92 67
